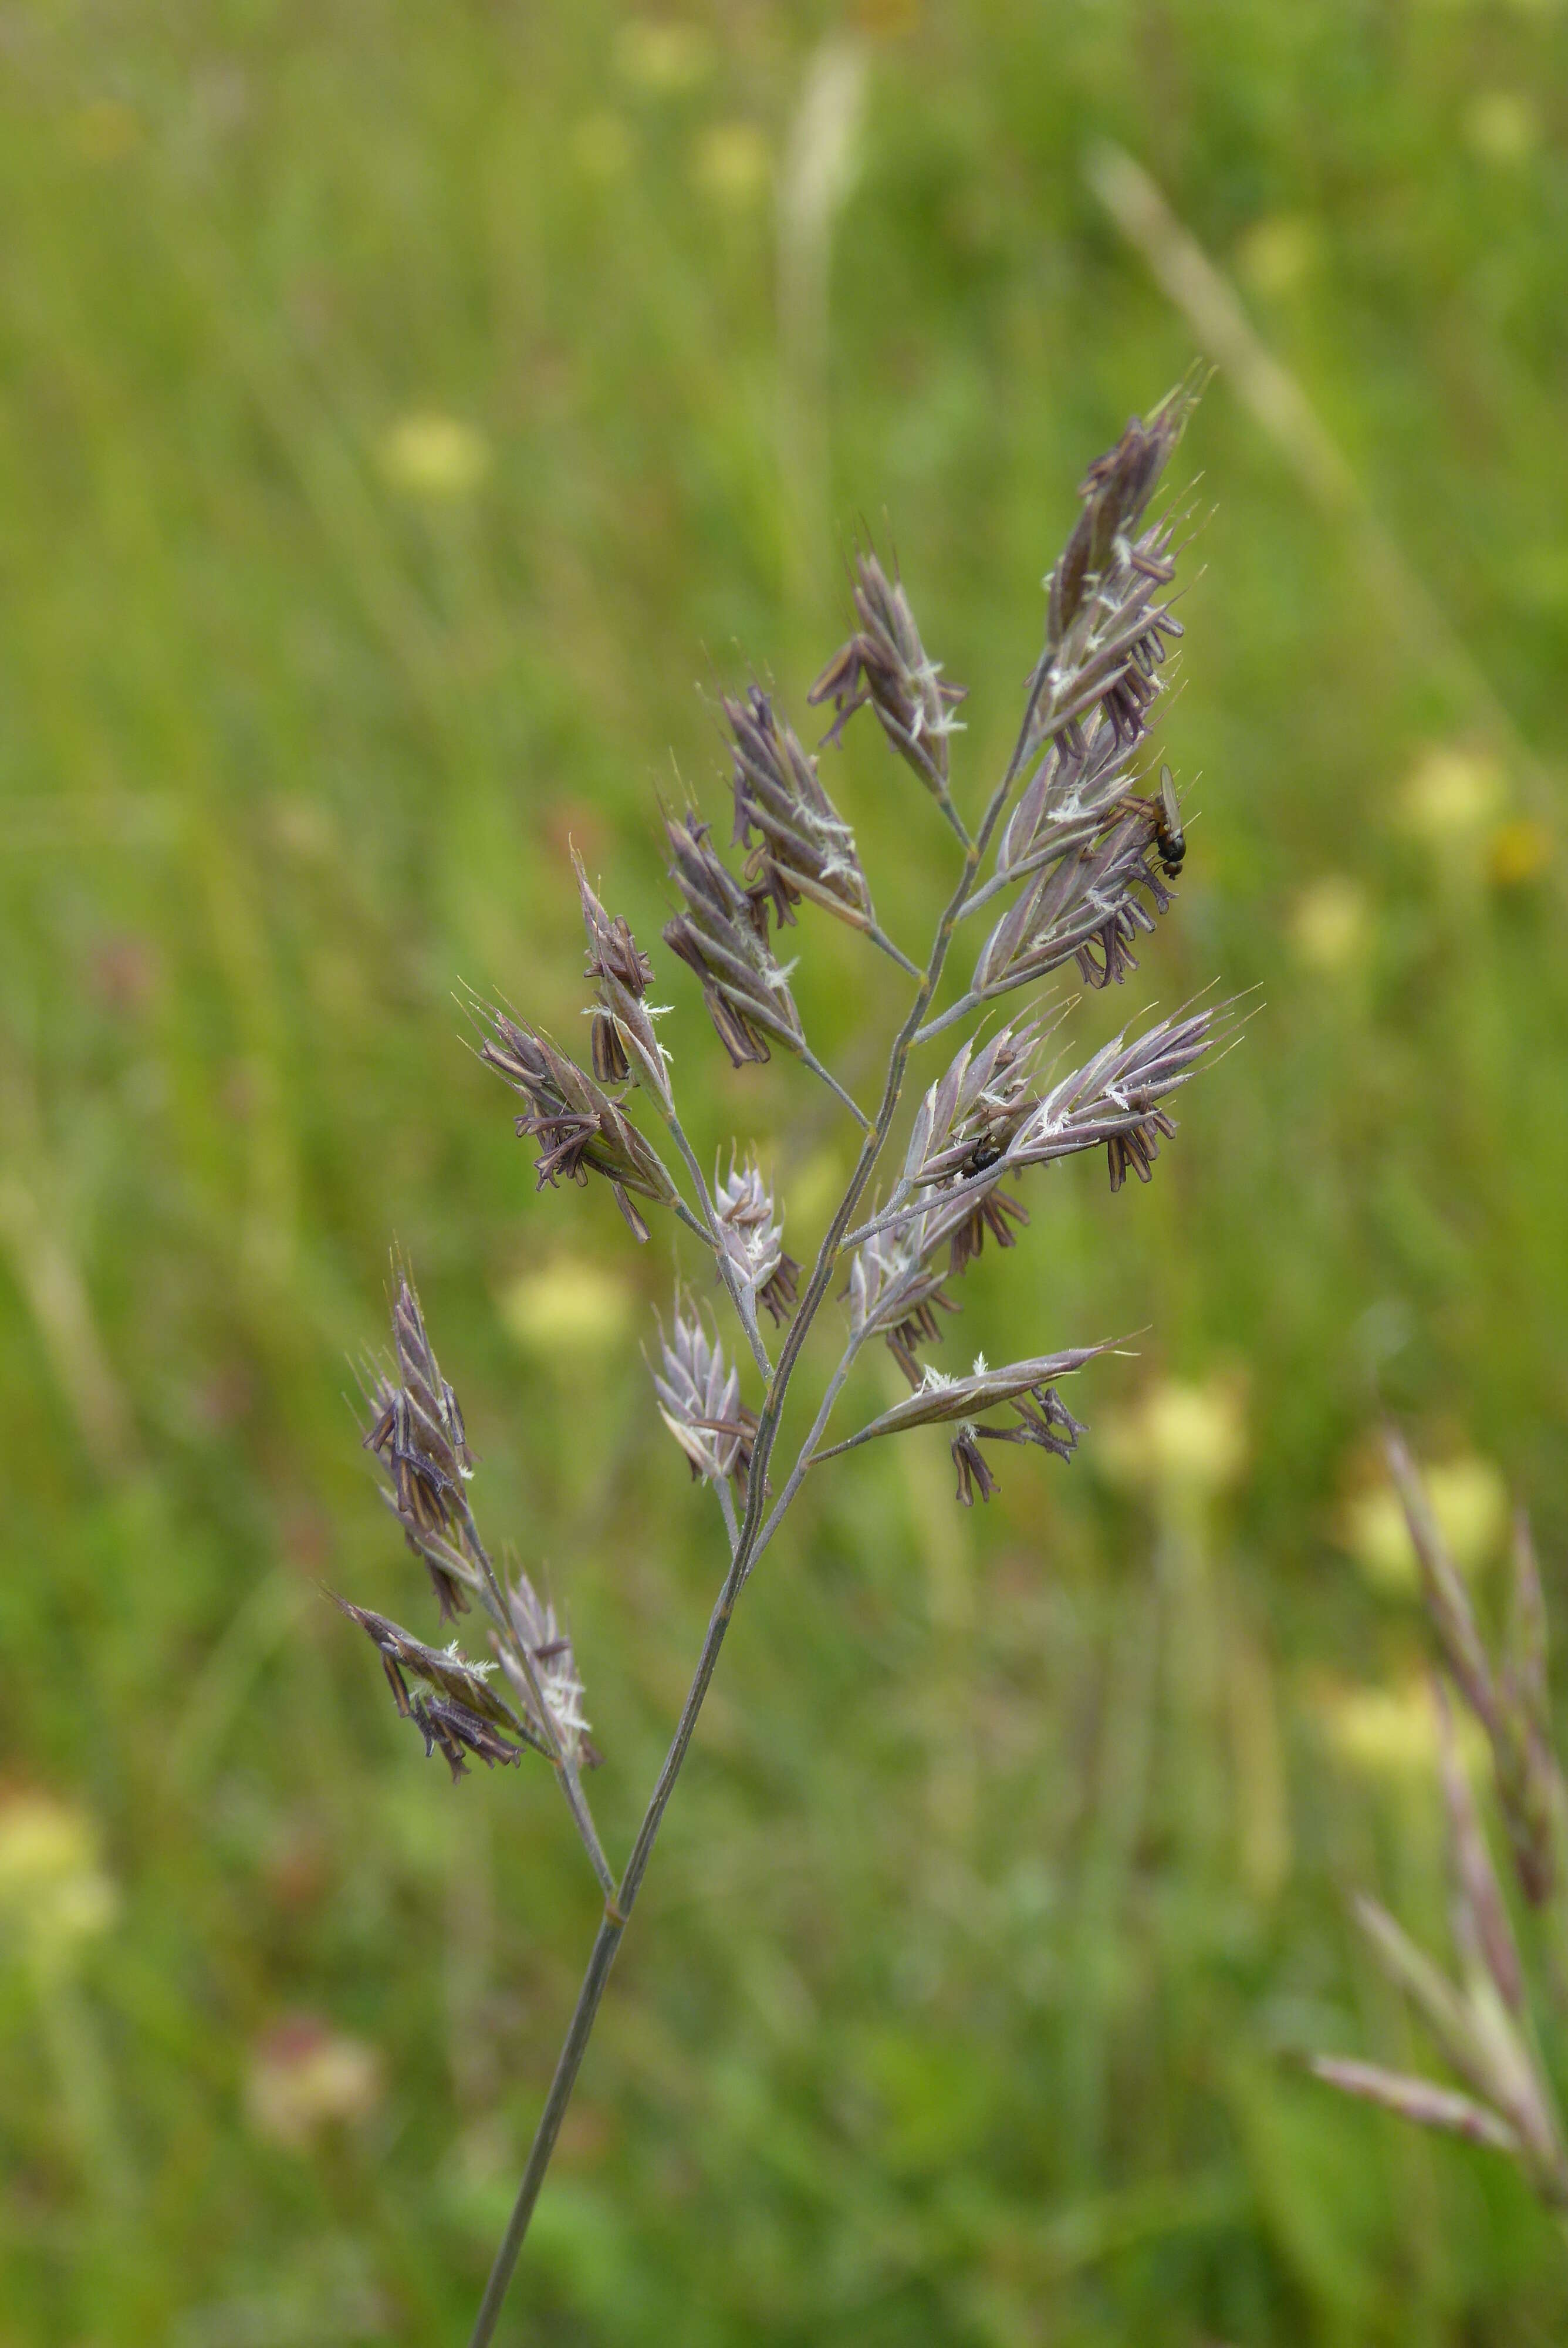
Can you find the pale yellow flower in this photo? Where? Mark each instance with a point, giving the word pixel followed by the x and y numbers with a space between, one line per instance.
pixel 431 456
pixel 1331 925
pixel 1470 1500
pixel 730 164
pixel 662 58
pixel 1502 128
pixel 1180 1441
pixel 1391 1733
pixel 570 1306
pixel 54 1891
pixel 1278 254
pixel 1450 796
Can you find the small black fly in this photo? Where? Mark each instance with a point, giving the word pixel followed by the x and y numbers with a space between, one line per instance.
pixel 984 1154
pixel 1170 840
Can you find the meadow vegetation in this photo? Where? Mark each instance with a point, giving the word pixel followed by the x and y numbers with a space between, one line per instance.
pixel 410 424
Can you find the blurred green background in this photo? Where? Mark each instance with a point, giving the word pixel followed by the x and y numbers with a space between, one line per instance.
pixel 408 419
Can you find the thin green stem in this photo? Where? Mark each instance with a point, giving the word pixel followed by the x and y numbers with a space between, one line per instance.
pixel 960 829
pixel 1063 836
pixel 544 2144
pixel 693 1222
pixel 909 745
pixel 804 1458
pixel 837 1450
pixel 904 1210
pixel 962 1008
pixel 810 1060
pixel 884 944
pixel 727 1510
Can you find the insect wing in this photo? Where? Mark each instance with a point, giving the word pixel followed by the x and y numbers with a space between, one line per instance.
pixel 1169 838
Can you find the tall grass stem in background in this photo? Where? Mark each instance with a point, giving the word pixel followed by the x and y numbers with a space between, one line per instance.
pixel 1214 313
pixel 1070 862
pixel 817 174
pixel 1486 2025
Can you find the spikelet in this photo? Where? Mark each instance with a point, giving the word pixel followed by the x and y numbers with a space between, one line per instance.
pixel 722 935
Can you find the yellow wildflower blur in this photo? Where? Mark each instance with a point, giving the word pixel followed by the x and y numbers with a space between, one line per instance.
pixel 1331 925
pixel 730 164
pixel 1450 796
pixel 431 456
pixel 1391 1733
pixel 1469 1499
pixel 1179 1442
pixel 570 1306
pixel 1502 128
pixel 53 1892
pixel 662 59
pixel 1278 254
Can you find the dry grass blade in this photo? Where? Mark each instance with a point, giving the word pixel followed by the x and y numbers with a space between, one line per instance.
pixel 1447 1600
pixel 1483 1933
pixel 1421 2100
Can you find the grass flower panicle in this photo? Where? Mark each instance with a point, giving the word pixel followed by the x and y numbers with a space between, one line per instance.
pixel 1080 907
pixel 1118 1098
pixel 1078 858
pixel 939 1399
